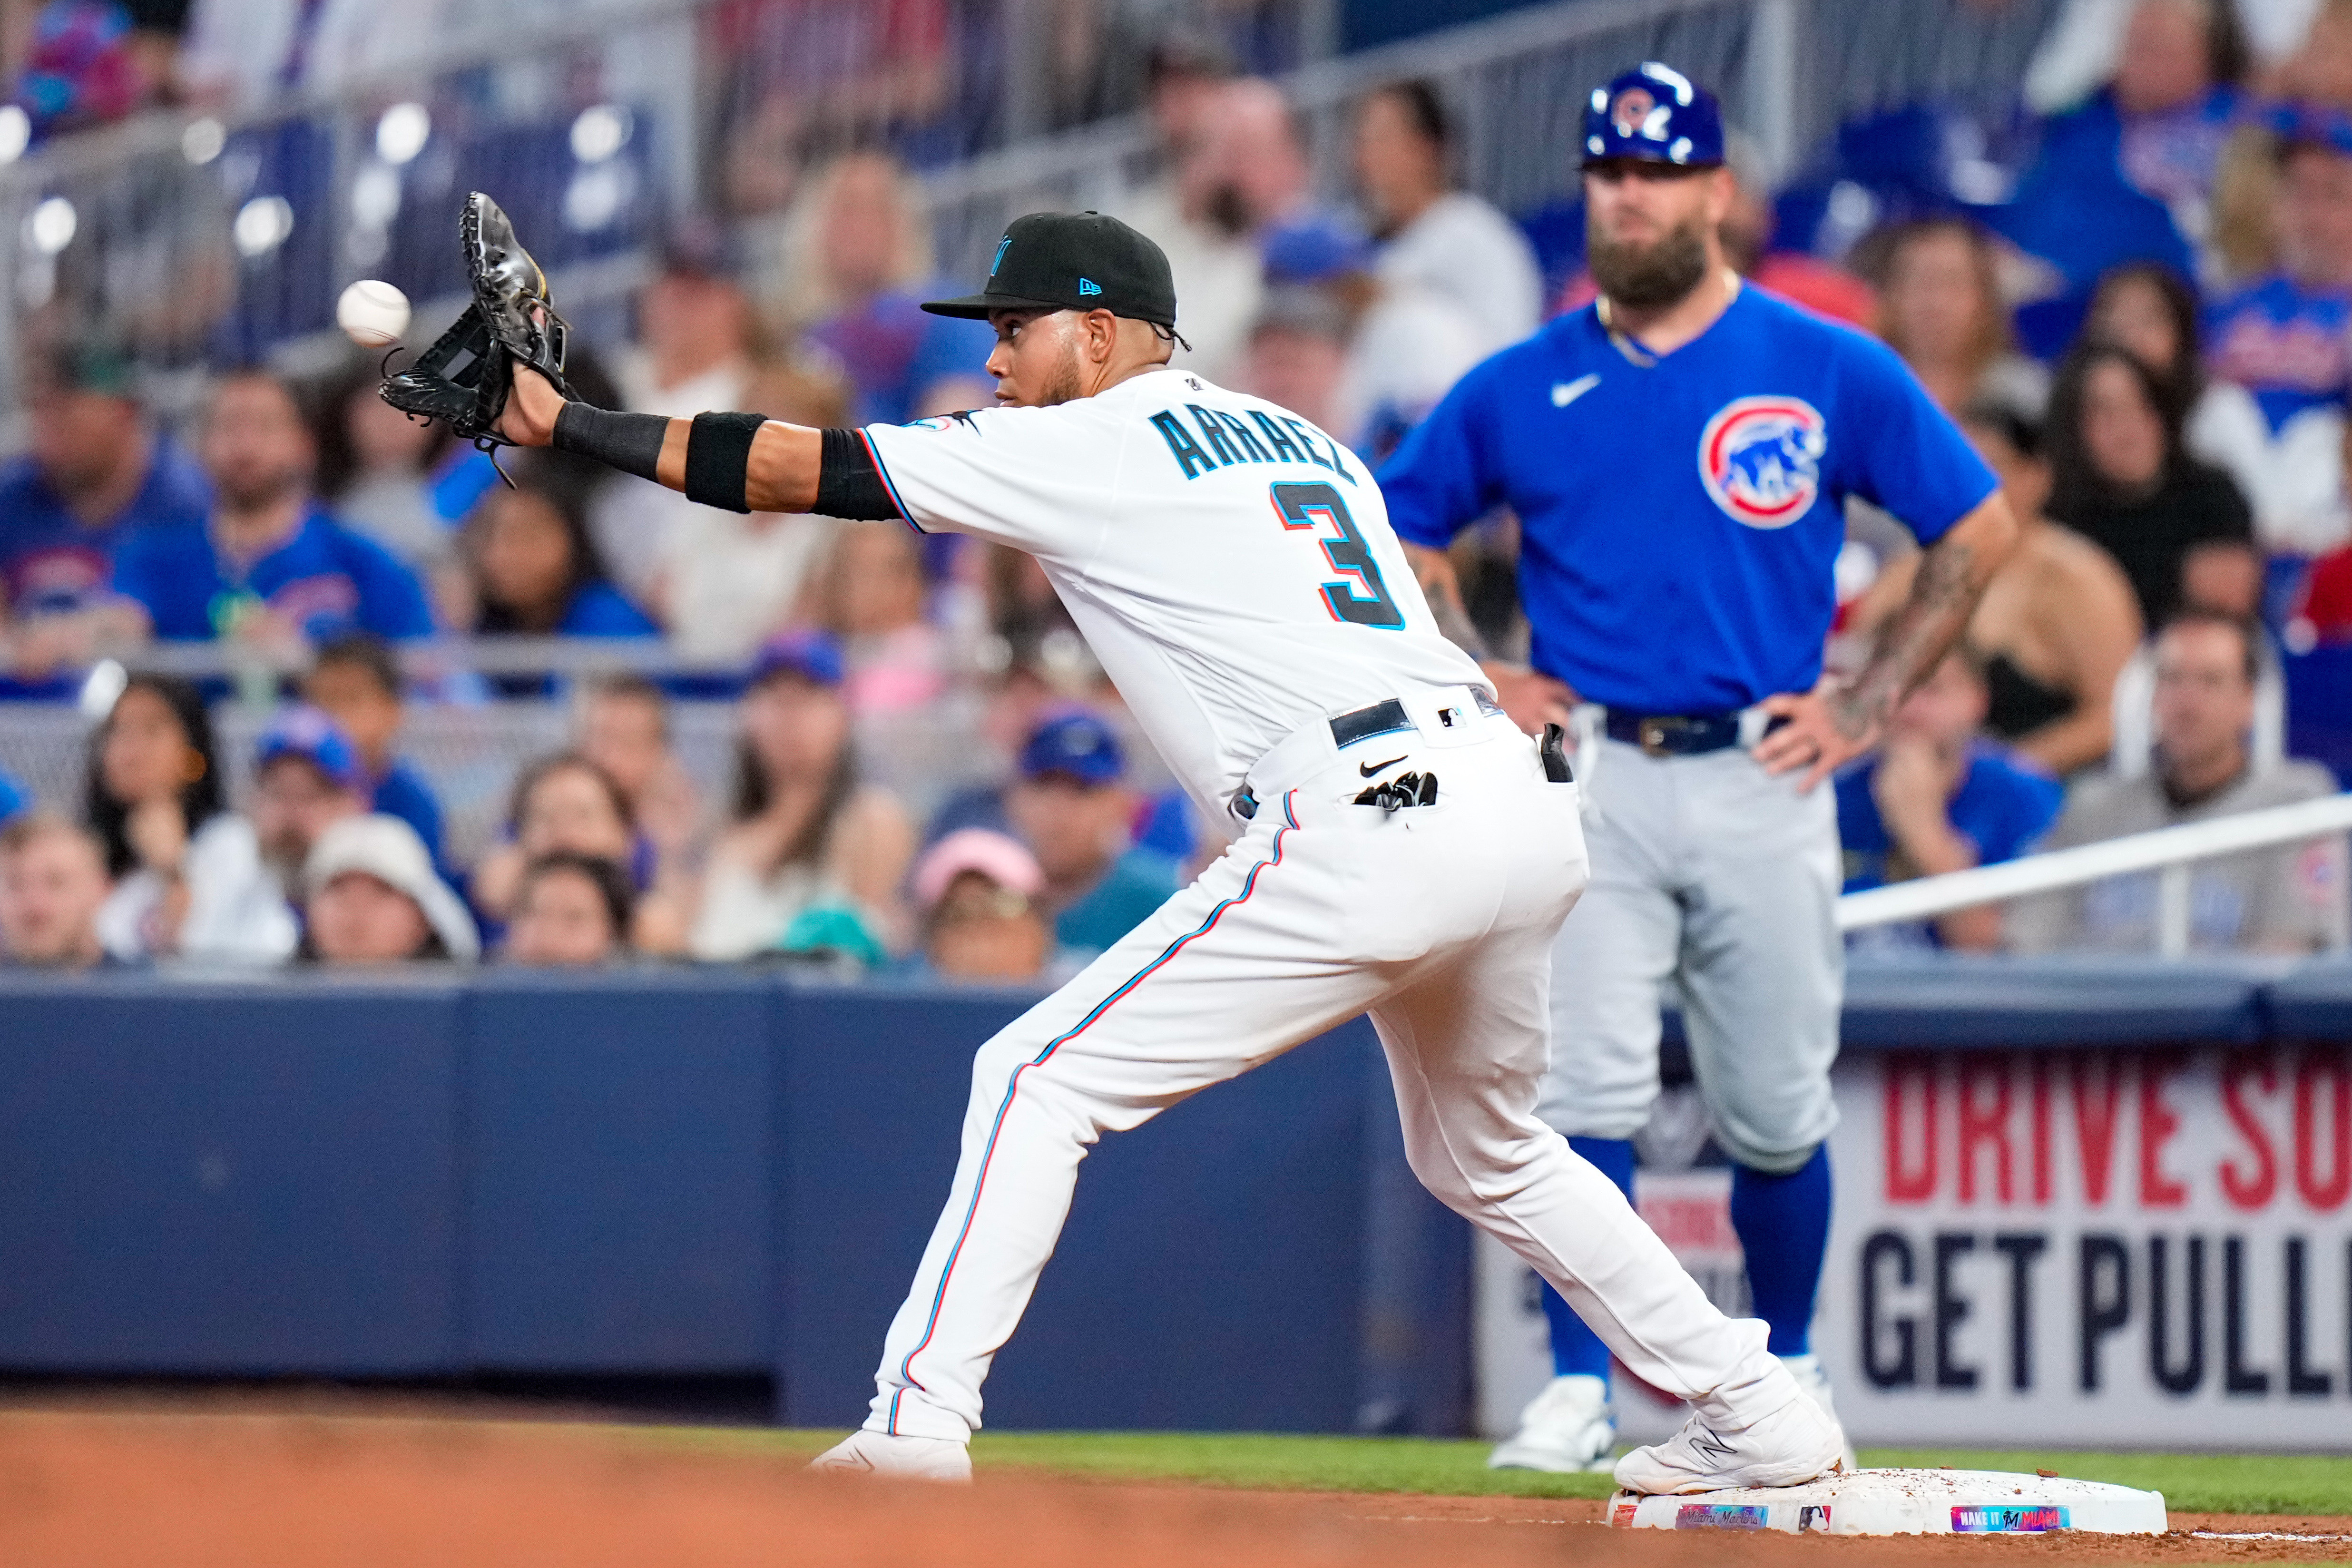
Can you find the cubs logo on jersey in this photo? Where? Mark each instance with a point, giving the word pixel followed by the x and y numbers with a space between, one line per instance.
pixel 1761 459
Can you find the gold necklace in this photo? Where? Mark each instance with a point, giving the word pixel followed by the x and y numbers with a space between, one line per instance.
pixel 1624 342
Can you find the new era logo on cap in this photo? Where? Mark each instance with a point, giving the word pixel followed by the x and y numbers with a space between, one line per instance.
pixel 1087 286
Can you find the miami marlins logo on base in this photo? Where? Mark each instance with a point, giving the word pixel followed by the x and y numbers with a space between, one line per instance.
pixel 1761 459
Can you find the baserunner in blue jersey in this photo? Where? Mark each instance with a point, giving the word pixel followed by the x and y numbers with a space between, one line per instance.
pixel 1679 455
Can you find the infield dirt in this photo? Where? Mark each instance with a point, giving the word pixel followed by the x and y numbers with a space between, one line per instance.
pixel 139 1490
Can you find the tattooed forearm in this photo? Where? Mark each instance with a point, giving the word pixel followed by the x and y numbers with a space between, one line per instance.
pixel 1916 637
pixel 1444 591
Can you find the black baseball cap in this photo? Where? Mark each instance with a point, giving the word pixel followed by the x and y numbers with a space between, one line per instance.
pixel 1073 261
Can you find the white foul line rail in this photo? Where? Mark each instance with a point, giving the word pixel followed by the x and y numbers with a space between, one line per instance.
pixel 2170 851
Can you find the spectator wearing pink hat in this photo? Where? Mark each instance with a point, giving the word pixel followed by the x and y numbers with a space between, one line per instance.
pixel 977 893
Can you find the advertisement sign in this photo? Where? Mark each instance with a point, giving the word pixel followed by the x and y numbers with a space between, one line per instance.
pixel 2143 1249
pixel 2150 1249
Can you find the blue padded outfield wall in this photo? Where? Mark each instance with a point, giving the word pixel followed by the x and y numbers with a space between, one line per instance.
pixel 677 1172
pixel 729 1172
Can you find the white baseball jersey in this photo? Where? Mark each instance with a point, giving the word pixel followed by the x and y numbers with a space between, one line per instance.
pixel 1234 571
pixel 1231 566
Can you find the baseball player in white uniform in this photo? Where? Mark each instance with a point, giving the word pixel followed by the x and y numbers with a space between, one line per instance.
pixel 1405 849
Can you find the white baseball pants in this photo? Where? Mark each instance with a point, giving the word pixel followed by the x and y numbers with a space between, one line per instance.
pixel 1439 920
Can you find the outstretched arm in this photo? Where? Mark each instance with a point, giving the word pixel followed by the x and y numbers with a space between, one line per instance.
pixel 1838 720
pixel 780 473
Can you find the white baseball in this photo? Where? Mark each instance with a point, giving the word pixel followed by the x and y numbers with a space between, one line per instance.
pixel 372 313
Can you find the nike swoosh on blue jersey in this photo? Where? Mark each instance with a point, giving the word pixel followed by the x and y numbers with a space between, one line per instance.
pixel 1564 393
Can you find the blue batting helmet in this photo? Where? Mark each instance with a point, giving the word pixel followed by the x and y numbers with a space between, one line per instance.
pixel 1656 114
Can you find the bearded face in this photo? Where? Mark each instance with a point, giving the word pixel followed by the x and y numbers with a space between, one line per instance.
pixel 1062 383
pixel 1648 273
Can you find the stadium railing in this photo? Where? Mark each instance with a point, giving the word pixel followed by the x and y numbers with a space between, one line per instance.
pixel 2168 851
pixel 197 239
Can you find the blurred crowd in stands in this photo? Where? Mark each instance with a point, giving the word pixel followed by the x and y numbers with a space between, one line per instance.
pixel 2147 332
pixel 784 78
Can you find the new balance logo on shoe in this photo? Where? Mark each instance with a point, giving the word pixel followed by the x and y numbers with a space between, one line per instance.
pixel 1706 1443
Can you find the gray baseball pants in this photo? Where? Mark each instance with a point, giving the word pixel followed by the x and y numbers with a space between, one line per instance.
pixel 1714 885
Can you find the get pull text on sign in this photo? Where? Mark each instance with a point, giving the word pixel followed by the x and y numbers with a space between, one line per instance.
pixel 2149 1248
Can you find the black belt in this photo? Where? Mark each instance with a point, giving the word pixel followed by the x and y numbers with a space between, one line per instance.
pixel 1381 718
pixel 1362 724
pixel 1366 722
pixel 1679 734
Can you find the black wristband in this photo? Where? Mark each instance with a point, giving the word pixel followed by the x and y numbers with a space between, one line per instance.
pixel 718 459
pixel 848 483
pixel 629 442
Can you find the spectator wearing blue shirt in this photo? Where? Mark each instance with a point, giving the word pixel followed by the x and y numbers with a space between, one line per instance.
pixel 355 681
pixel 1940 797
pixel 2288 338
pixel 95 472
pixel 2130 173
pixel 1073 809
pixel 537 569
pixel 268 566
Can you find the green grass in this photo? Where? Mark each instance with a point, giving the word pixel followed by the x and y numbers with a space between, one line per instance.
pixel 2229 1483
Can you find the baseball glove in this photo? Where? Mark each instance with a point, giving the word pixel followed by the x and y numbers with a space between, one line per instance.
pixel 463 379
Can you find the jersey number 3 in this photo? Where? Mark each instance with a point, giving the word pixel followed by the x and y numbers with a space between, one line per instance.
pixel 1318 506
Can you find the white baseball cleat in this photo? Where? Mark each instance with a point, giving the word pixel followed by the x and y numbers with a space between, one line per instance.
pixel 1815 1383
pixel 1567 1428
pixel 1792 1445
pixel 892 1457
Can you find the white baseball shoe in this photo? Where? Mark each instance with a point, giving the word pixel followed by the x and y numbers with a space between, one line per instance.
pixel 1569 1427
pixel 1815 1383
pixel 892 1457
pixel 1792 1445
